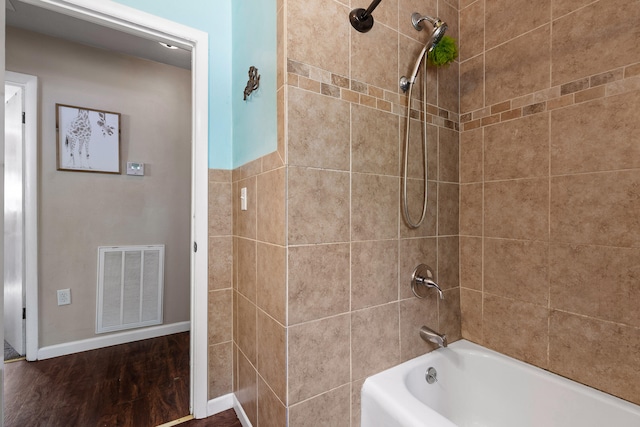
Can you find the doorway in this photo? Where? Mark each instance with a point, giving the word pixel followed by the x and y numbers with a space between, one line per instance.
pixel 144 25
pixel 21 255
pixel 14 339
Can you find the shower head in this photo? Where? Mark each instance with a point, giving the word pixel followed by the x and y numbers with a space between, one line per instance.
pixel 439 27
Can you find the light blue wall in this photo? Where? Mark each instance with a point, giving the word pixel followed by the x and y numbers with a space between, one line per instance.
pixel 213 17
pixel 241 33
pixel 254 43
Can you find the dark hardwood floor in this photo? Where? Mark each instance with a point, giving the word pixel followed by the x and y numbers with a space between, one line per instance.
pixel 140 384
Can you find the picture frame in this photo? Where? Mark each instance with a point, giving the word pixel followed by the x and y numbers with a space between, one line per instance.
pixel 88 140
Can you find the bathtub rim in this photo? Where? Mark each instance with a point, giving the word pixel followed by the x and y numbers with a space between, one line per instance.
pixel 391 382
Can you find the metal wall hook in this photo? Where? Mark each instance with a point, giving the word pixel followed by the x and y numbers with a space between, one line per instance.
pixel 253 83
pixel 423 276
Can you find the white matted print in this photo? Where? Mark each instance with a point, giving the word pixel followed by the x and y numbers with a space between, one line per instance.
pixel 88 140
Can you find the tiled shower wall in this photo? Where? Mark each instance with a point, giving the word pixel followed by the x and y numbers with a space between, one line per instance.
pixel 322 258
pixel 550 185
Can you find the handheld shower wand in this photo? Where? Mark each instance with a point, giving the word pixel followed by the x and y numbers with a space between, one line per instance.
pixel 439 28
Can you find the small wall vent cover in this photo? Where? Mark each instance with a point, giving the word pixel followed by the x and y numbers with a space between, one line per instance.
pixel 130 287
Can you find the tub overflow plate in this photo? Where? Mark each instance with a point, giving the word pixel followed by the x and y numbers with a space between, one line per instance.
pixel 432 375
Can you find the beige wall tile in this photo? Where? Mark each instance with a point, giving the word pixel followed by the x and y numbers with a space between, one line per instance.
pixel 220 373
pixel 271 411
pixel 448 265
pixel 374 206
pixel 271 207
pixel 596 136
pixel 246 171
pixel 318 282
pixel 448 209
pixel 220 262
pixel 415 198
pixel 449 87
pixel 374 57
pixel 247 268
pixel 408 55
pixel 517 149
pixel 272 265
pixel 319 34
pixel 356 389
pixel 246 342
pixel 247 392
pixel 414 252
pixel 471 262
pixel 416 150
pixel 375 145
pixel 517 269
pixel 507 19
pixel 595 208
pixel 471 313
pixel 328 409
pixel 584 349
pixel 448 12
pixel 562 7
pixel 386 13
pixel 220 212
pixel 318 357
pixel 472 84
pixel 575 37
pixel 374 273
pixel 318 206
pixel 448 155
pixel 449 315
pixel 596 281
pixel 513 69
pixel 235 298
pixel 318 130
pixel 472 30
pixel 471 152
pixel 527 216
pixel 517 329
pixel 220 175
pixel 372 352
pixel 220 316
pixel 471 209
pixel 414 313
pixel 271 351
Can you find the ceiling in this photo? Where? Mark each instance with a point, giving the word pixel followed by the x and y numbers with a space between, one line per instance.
pixel 45 21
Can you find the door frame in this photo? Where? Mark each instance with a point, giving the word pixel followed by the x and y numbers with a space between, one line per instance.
pixel 133 21
pixel 29 86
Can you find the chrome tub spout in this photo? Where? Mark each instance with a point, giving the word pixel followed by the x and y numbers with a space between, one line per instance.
pixel 430 335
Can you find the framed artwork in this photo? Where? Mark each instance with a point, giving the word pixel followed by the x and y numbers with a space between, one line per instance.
pixel 88 140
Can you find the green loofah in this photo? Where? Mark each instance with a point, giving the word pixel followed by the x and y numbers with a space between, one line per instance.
pixel 443 53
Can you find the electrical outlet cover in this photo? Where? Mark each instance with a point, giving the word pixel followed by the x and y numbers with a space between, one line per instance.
pixel 64 296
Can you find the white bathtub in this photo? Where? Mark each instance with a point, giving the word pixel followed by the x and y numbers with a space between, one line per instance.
pixel 478 387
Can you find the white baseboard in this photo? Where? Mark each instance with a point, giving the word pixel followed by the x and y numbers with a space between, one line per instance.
pixel 111 339
pixel 228 401
pixel 242 416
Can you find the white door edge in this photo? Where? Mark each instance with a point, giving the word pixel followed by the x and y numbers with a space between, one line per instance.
pixel 30 181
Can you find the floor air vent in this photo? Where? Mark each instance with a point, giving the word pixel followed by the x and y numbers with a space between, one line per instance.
pixel 130 287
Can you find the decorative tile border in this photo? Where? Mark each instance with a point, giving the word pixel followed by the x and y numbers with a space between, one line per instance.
pixel 324 82
pixel 613 82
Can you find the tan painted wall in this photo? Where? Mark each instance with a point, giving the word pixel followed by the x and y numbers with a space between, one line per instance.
pixel 81 211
